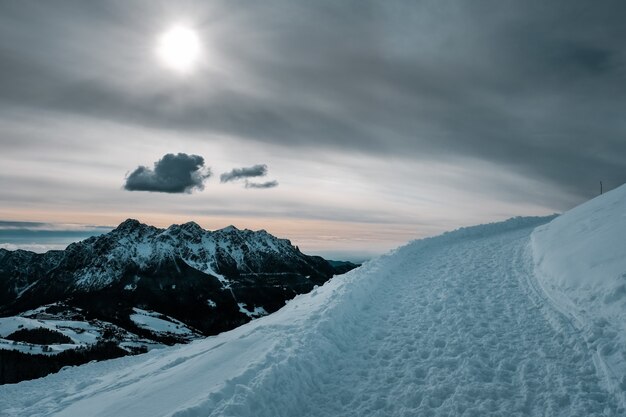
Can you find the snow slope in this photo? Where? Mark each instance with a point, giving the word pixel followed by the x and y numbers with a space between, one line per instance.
pixel 160 324
pixel 456 325
pixel 83 332
pixel 581 265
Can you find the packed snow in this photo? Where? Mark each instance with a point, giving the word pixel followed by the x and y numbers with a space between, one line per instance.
pixel 483 321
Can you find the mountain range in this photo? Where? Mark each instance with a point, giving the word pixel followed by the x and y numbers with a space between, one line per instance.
pixel 139 287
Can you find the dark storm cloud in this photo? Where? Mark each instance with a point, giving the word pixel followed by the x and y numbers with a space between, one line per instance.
pixel 536 87
pixel 179 173
pixel 267 184
pixel 259 170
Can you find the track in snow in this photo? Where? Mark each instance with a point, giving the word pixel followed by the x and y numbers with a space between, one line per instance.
pixel 455 330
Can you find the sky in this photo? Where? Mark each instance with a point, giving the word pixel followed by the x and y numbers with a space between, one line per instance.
pixel 349 127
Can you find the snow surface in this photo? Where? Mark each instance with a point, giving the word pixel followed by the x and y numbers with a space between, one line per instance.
pixel 581 265
pixel 10 325
pixel 35 349
pixel 81 333
pixel 159 324
pixel 456 325
pixel 256 312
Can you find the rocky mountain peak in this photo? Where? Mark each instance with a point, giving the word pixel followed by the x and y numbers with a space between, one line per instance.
pixel 135 251
pixel 129 225
pixel 192 228
pixel 228 229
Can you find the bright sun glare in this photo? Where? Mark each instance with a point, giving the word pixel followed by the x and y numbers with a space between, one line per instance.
pixel 179 48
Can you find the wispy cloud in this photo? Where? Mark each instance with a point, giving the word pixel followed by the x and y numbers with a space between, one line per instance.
pixel 9 224
pixel 41 236
pixel 259 170
pixel 13 226
pixel 267 184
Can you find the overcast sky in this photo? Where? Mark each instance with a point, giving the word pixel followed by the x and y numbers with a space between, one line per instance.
pixel 348 126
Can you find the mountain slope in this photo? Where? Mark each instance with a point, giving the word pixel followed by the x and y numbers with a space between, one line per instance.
pixel 452 325
pixel 20 269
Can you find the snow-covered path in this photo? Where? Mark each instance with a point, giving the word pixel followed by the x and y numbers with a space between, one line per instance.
pixel 455 325
pixel 456 330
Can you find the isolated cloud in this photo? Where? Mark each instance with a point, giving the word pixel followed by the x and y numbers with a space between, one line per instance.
pixel 179 173
pixel 259 170
pixel 268 184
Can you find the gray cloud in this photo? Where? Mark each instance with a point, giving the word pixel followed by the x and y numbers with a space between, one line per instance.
pixel 8 227
pixel 41 237
pixel 9 224
pixel 268 184
pixel 179 173
pixel 34 235
pixel 259 170
pixel 536 87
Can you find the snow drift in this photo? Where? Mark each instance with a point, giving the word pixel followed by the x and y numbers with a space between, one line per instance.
pixel 581 265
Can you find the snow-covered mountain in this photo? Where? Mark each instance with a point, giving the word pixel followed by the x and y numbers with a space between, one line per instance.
pixel 522 318
pixel 143 283
pixel 20 269
pixel 101 261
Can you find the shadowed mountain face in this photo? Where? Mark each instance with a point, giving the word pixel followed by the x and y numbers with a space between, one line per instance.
pixel 205 281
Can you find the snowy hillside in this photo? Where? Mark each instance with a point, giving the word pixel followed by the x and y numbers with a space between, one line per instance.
pixel 456 325
pixel 78 332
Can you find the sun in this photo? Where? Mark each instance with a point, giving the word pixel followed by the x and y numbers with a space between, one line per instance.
pixel 179 48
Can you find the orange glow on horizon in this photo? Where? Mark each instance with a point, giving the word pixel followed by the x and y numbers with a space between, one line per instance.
pixel 309 234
